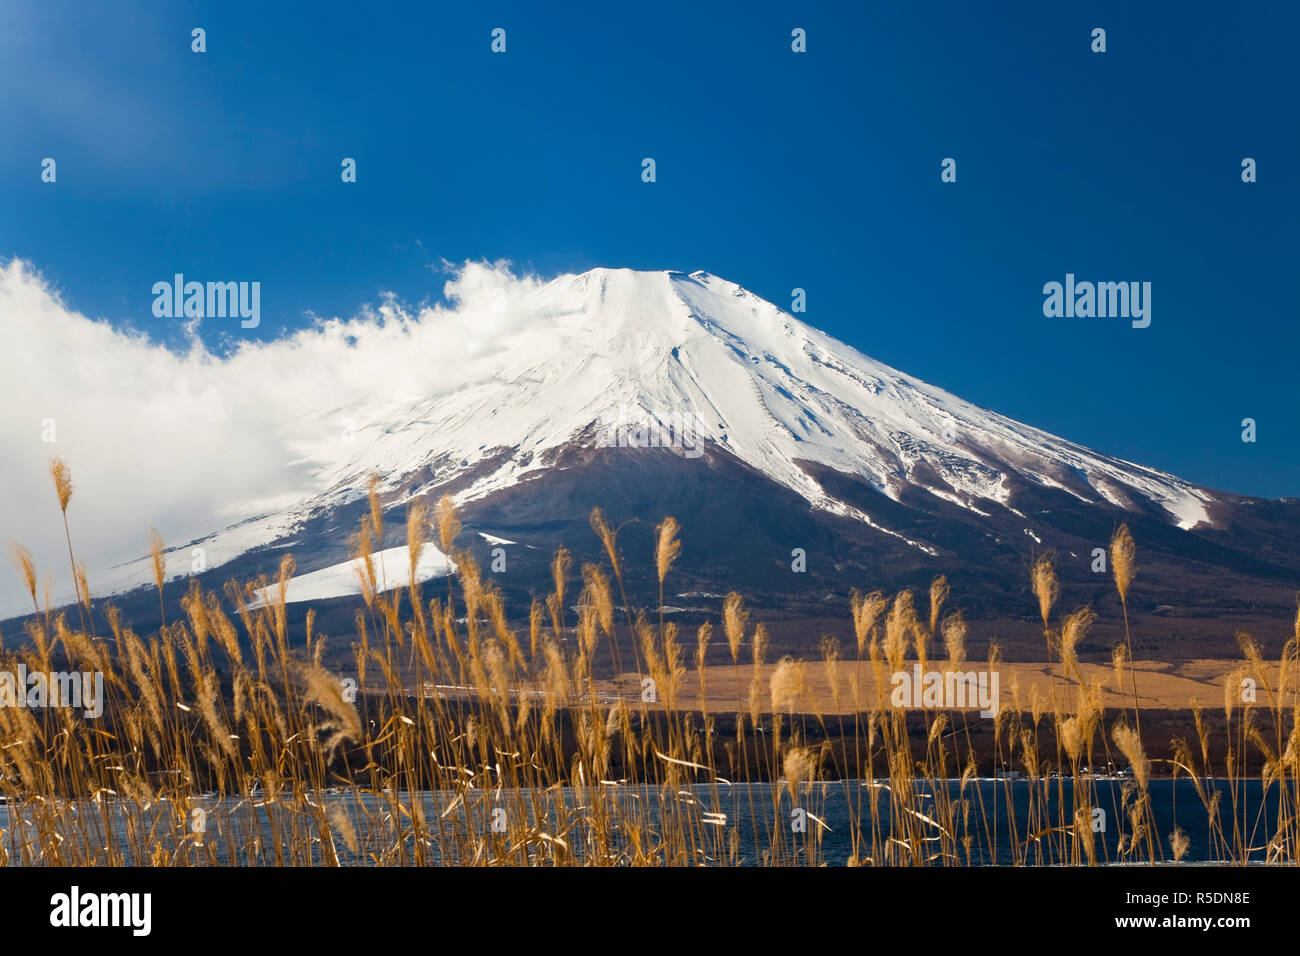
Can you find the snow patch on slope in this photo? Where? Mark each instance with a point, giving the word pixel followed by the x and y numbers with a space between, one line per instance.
pixel 392 570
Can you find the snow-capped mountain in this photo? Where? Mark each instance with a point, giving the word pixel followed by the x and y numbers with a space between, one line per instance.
pixel 553 415
pixel 752 380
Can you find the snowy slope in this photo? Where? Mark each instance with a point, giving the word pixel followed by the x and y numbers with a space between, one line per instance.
pixel 766 388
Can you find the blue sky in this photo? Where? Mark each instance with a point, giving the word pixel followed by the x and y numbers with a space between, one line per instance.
pixel 775 170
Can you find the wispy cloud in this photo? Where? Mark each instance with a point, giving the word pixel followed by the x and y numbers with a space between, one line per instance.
pixel 190 441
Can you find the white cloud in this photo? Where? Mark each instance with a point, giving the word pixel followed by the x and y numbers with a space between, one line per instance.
pixel 192 441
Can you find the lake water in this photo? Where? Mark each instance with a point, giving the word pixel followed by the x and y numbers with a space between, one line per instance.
pixel 748 808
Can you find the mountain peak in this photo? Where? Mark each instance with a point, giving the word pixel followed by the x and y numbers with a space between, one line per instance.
pixel 763 387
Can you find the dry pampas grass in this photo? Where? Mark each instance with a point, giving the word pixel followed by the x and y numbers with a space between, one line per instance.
pixel 435 733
